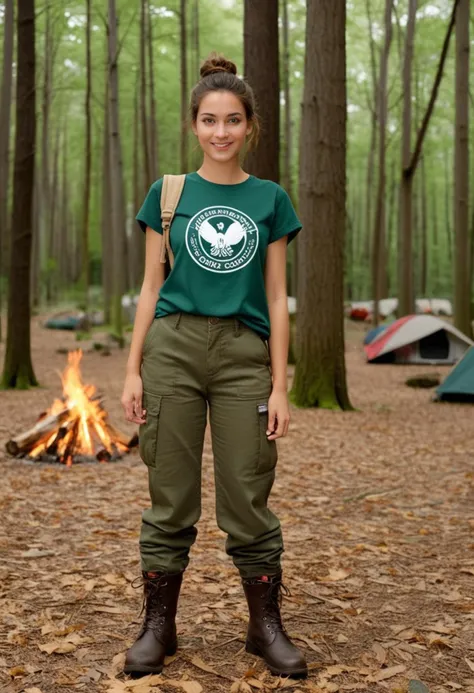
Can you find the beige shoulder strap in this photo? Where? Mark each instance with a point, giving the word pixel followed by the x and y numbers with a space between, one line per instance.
pixel 170 196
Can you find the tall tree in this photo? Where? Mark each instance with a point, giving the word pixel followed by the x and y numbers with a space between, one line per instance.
pixel 378 248
pixel 144 93
pixel 406 294
pixel 116 178
pixel 5 110
pixel 87 167
pixel 261 67
pixel 462 277
pixel 320 377
pixel 153 124
pixel 184 86
pixel 18 368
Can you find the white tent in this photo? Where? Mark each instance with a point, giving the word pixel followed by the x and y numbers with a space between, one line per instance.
pixel 418 339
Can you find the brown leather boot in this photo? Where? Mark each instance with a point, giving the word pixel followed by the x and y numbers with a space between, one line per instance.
pixel 157 637
pixel 266 636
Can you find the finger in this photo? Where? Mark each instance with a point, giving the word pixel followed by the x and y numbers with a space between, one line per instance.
pixel 272 423
pixel 128 406
pixel 280 427
pixel 287 426
pixel 138 407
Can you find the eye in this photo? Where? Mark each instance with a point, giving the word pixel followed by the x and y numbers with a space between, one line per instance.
pixel 208 120
pixel 235 121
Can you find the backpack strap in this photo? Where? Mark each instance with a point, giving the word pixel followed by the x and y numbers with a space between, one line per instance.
pixel 170 196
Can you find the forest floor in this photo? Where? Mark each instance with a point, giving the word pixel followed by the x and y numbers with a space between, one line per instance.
pixel 377 511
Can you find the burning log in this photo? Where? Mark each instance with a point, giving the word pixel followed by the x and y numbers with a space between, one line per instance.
pixel 75 428
pixel 41 431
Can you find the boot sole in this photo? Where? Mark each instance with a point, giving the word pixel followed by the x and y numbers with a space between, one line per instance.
pixel 138 670
pixel 294 673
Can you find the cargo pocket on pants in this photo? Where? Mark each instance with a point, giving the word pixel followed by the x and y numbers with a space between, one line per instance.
pixel 267 454
pixel 148 432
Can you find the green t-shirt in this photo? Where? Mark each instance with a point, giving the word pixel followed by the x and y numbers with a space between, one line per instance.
pixel 219 237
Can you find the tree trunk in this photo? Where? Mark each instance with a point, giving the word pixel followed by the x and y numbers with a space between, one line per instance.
pixel 286 177
pixel 45 221
pixel 18 368
pixel 116 178
pixel 107 230
pixel 365 259
pixel 447 207
pixel 288 141
pixel 196 153
pixel 462 288
pixel 320 377
pixel 85 279
pixel 144 116
pixel 424 232
pixel 435 254
pixel 406 298
pixel 391 219
pixel 5 112
pixel 378 248
pixel 184 87
pixel 261 58
pixel 153 124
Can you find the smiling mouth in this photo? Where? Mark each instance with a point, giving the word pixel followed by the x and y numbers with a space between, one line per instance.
pixel 222 145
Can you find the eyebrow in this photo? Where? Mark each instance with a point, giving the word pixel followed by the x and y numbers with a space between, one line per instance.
pixel 228 116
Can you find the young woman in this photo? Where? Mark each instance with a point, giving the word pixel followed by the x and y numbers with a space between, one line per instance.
pixel 217 338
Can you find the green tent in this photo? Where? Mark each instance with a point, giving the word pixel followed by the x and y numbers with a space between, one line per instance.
pixel 459 385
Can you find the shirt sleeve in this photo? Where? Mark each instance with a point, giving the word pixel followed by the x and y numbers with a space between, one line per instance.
pixel 150 211
pixel 285 221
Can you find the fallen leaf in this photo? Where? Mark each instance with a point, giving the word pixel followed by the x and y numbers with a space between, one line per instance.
pixel 380 653
pixel 255 683
pixel 17 671
pixel 57 647
pixel 384 674
pixel 202 665
pixel 186 686
pixel 469 663
pixel 240 687
pixel 334 576
pixel 33 690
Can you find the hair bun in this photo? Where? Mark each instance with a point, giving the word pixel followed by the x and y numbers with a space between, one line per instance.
pixel 217 63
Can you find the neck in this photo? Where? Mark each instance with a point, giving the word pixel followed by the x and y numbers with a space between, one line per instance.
pixel 227 173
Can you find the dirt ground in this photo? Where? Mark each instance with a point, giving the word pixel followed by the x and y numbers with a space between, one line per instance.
pixel 376 508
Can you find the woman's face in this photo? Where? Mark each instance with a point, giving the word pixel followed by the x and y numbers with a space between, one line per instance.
pixel 221 126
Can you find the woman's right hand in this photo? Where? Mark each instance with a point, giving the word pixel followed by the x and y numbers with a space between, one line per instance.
pixel 132 399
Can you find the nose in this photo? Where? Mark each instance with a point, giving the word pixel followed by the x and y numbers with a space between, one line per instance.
pixel 221 130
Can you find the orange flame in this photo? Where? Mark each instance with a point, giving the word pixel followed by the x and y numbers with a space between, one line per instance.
pixel 85 422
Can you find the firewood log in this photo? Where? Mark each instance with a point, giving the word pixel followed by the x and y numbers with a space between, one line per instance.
pixel 40 432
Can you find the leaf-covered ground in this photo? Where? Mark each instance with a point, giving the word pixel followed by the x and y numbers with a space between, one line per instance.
pixel 376 507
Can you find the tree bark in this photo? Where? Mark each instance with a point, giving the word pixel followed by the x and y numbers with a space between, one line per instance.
pixel 184 86
pixel 378 248
pixel 374 107
pixel 154 158
pixel 85 279
pixel 261 67
pixel 462 288
pixel 144 115
pixel 424 233
pixel 116 178
pixel 45 220
pixel 320 376
pixel 18 368
pixel 107 230
pixel 5 113
pixel 406 297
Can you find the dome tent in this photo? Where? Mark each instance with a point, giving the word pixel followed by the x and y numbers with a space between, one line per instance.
pixel 458 386
pixel 418 339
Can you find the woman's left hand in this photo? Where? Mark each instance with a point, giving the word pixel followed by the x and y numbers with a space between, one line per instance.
pixel 278 415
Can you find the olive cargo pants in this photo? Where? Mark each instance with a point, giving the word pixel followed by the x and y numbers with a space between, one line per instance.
pixel 189 363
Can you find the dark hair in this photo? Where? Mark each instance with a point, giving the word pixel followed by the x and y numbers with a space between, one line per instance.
pixel 220 74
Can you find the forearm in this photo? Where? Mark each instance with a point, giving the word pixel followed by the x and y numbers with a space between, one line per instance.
pixel 143 319
pixel 279 342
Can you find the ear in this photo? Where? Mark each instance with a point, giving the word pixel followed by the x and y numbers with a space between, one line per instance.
pixel 194 128
pixel 249 129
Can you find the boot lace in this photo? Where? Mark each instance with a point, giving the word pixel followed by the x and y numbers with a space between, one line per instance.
pixel 152 605
pixel 273 598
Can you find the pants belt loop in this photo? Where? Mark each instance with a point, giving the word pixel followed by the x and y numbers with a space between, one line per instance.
pixel 178 320
pixel 236 327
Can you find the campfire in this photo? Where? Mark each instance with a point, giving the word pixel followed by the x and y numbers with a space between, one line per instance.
pixel 75 428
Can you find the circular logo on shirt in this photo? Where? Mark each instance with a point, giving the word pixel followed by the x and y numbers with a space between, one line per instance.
pixel 221 239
